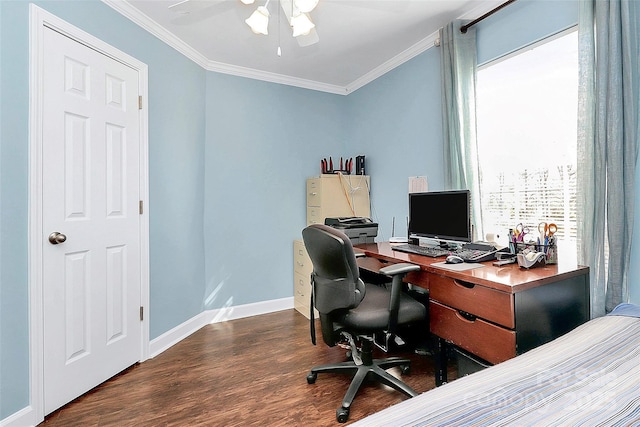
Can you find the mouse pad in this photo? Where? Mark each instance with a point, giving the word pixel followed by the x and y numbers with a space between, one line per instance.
pixel 458 267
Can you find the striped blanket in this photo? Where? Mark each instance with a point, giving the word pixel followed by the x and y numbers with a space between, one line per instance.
pixel 590 376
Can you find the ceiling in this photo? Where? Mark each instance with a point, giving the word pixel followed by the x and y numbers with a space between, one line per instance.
pixel 359 40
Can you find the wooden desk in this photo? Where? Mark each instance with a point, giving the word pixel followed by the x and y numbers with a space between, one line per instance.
pixel 494 313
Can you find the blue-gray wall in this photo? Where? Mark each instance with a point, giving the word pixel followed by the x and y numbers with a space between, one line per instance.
pixel 228 162
pixel 396 123
pixel 262 141
pixel 176 168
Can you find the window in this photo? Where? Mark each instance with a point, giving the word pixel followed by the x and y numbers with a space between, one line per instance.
pixel 527 133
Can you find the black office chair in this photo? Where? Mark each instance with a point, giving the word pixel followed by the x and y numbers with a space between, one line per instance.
pixel 352 312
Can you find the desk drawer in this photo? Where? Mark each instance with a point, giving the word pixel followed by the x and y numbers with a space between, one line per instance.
pixel 487 303
pixel 418 278
pixel 486 340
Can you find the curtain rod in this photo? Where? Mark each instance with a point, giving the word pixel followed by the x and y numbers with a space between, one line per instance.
pixel 464 28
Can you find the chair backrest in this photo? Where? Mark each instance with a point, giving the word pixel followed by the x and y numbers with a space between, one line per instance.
pixel 337 283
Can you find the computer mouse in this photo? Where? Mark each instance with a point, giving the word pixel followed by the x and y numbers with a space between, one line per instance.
pixel 453 259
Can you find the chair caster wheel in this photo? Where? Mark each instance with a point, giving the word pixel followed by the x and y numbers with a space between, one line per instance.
pixel 405 369
pixel 342 414
pixel 311 378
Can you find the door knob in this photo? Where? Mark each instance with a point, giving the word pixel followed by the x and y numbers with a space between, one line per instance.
pixel 56 238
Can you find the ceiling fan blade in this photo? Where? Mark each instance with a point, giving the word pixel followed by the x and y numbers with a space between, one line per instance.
pixel 308 39
pixel 185 7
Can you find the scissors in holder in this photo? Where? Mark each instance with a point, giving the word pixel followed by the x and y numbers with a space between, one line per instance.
pixel 542 229
pixel 546 231
pixel 520 232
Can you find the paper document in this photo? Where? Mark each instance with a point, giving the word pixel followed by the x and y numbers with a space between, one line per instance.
pixel 458 267
pixel 418 184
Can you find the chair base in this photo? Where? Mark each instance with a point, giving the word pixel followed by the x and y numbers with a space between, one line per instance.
pixel 375 370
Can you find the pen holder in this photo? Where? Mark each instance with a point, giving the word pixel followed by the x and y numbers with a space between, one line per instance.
pixel 550 250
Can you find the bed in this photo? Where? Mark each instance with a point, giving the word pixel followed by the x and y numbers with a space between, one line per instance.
pixel 590 376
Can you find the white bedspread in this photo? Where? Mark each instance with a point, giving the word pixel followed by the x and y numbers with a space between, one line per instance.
pixel 590 376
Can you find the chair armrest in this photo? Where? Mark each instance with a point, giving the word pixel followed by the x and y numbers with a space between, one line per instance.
pixel 397 272
pixel 401 268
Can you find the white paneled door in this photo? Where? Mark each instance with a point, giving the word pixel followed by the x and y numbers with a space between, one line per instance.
pixel 90 220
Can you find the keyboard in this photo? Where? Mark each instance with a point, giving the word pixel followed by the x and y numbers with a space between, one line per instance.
pixel 430 251
pixel 470 252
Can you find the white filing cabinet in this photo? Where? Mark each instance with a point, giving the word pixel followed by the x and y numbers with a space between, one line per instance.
pixel 328 196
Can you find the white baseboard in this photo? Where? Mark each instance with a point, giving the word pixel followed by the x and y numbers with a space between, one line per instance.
pixel 25 417
pixel 180 332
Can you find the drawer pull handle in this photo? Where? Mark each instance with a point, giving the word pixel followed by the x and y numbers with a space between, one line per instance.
pixel 463 315
pixel 464 284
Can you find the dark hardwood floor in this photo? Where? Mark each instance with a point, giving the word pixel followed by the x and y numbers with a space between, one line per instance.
pixel 244 372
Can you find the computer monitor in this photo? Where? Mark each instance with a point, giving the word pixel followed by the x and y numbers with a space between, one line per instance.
pixel 440 215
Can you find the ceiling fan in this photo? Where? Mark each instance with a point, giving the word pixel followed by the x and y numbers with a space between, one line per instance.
pixel 296 12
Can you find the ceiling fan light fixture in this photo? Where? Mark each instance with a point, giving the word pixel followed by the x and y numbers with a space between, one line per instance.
pixel 301 25
pixel 247 1
pixel 305 6
pixel 259 21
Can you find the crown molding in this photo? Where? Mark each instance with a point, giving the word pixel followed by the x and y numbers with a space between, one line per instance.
pixel 139 18
pixel 394 62
pixel 267 76
pixel 148 24
pixel 480 10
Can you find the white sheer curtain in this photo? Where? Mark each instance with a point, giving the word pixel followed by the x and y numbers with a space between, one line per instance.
pixel 607 145
pixel 458 66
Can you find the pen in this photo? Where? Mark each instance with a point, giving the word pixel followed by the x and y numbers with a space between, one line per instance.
pixel 512 241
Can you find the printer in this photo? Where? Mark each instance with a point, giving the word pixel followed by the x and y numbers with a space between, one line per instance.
pixel 358 229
